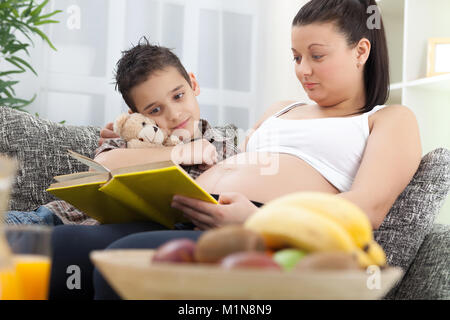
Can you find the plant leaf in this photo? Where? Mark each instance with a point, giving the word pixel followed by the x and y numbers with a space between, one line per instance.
pixel 7 92
pixel 16 103
pixel 15 47
pixel 5 84
pixel 45 22
pixel 16 64
pixel 23 62
pixel 9 72
pixel 38 9
pixel 27 11
pixel 20 16
pixel 45 16
pixel 44 37
pixel 22 27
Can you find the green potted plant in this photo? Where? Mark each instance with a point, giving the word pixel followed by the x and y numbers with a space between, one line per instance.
pixel 26 17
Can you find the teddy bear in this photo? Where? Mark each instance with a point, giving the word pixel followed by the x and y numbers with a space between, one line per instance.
pixel 142 132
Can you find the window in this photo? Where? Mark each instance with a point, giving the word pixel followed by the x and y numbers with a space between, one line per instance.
pixel 215 39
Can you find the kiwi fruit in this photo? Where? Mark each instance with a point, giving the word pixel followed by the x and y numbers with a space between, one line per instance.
pixel 216 244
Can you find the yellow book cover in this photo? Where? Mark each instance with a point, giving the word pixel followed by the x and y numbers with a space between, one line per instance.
pixel 137 193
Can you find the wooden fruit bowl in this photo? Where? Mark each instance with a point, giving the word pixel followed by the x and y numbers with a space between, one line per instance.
pixel 132 275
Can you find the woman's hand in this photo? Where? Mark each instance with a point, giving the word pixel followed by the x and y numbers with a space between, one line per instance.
pixel 107 133
pixel 233 208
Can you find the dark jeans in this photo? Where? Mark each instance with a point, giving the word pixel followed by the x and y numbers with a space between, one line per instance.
pixel 144 240
pixel 71 246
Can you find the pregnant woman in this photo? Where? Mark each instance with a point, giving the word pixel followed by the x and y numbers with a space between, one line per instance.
pixel 348 142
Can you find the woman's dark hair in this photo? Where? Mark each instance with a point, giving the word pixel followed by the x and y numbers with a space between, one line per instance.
pixel 351 19
pixel 139 63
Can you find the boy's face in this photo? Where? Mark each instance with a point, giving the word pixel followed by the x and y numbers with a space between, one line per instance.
pixel 168 99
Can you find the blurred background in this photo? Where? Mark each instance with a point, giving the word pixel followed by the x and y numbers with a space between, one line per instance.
pixel 238 50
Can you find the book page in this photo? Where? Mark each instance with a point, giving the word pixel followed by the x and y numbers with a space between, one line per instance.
pixel 144 167
pixel 97 177
pixel 73 176
pixel 87 161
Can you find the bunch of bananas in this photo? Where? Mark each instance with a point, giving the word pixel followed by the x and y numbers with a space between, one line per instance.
pixel 318 222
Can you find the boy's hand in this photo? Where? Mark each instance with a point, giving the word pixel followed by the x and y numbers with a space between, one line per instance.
pixel 200 152
pixel 107 133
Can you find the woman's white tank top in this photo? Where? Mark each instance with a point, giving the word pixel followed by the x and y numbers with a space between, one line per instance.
pixel 333 146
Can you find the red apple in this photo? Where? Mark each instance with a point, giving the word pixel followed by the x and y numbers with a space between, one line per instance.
pixel 178 251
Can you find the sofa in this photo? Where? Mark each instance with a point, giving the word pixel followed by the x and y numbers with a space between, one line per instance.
pixel 409 235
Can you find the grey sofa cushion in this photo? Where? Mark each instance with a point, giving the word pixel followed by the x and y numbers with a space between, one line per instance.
pixel 413 214
pixel 429 275
pixel 41 146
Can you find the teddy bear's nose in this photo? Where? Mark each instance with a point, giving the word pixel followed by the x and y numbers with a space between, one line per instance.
pixel 155 128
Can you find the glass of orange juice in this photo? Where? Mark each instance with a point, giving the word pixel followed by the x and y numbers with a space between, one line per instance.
pixel 10 288
pixel 31 254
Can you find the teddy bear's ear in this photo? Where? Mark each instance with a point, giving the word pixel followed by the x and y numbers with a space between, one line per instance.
pixel 119 123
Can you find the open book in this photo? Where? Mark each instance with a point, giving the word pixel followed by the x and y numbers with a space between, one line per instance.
pixel 137 193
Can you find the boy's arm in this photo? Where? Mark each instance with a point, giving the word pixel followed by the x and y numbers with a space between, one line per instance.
pixel 118 158
pixel 192 153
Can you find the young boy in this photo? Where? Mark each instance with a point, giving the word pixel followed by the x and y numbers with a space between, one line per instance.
pixel 153 82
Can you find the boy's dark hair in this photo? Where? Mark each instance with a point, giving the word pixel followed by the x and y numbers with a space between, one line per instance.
pixel 350 18
pixel 139 63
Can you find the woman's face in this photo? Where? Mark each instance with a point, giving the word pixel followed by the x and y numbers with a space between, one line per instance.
pixel 326 67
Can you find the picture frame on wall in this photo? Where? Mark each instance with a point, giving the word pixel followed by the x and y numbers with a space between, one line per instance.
pixel 438 56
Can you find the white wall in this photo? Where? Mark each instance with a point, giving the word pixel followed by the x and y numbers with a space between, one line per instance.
pixel 277 77
pixel 275 69
pixel 29 84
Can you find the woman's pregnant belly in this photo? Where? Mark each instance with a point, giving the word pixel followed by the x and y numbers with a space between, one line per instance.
pixel 263 176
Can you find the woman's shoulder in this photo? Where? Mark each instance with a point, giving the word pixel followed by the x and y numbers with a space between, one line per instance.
pixel 392 113
pixel 280 105
pixel 395 110
pixel 273 109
